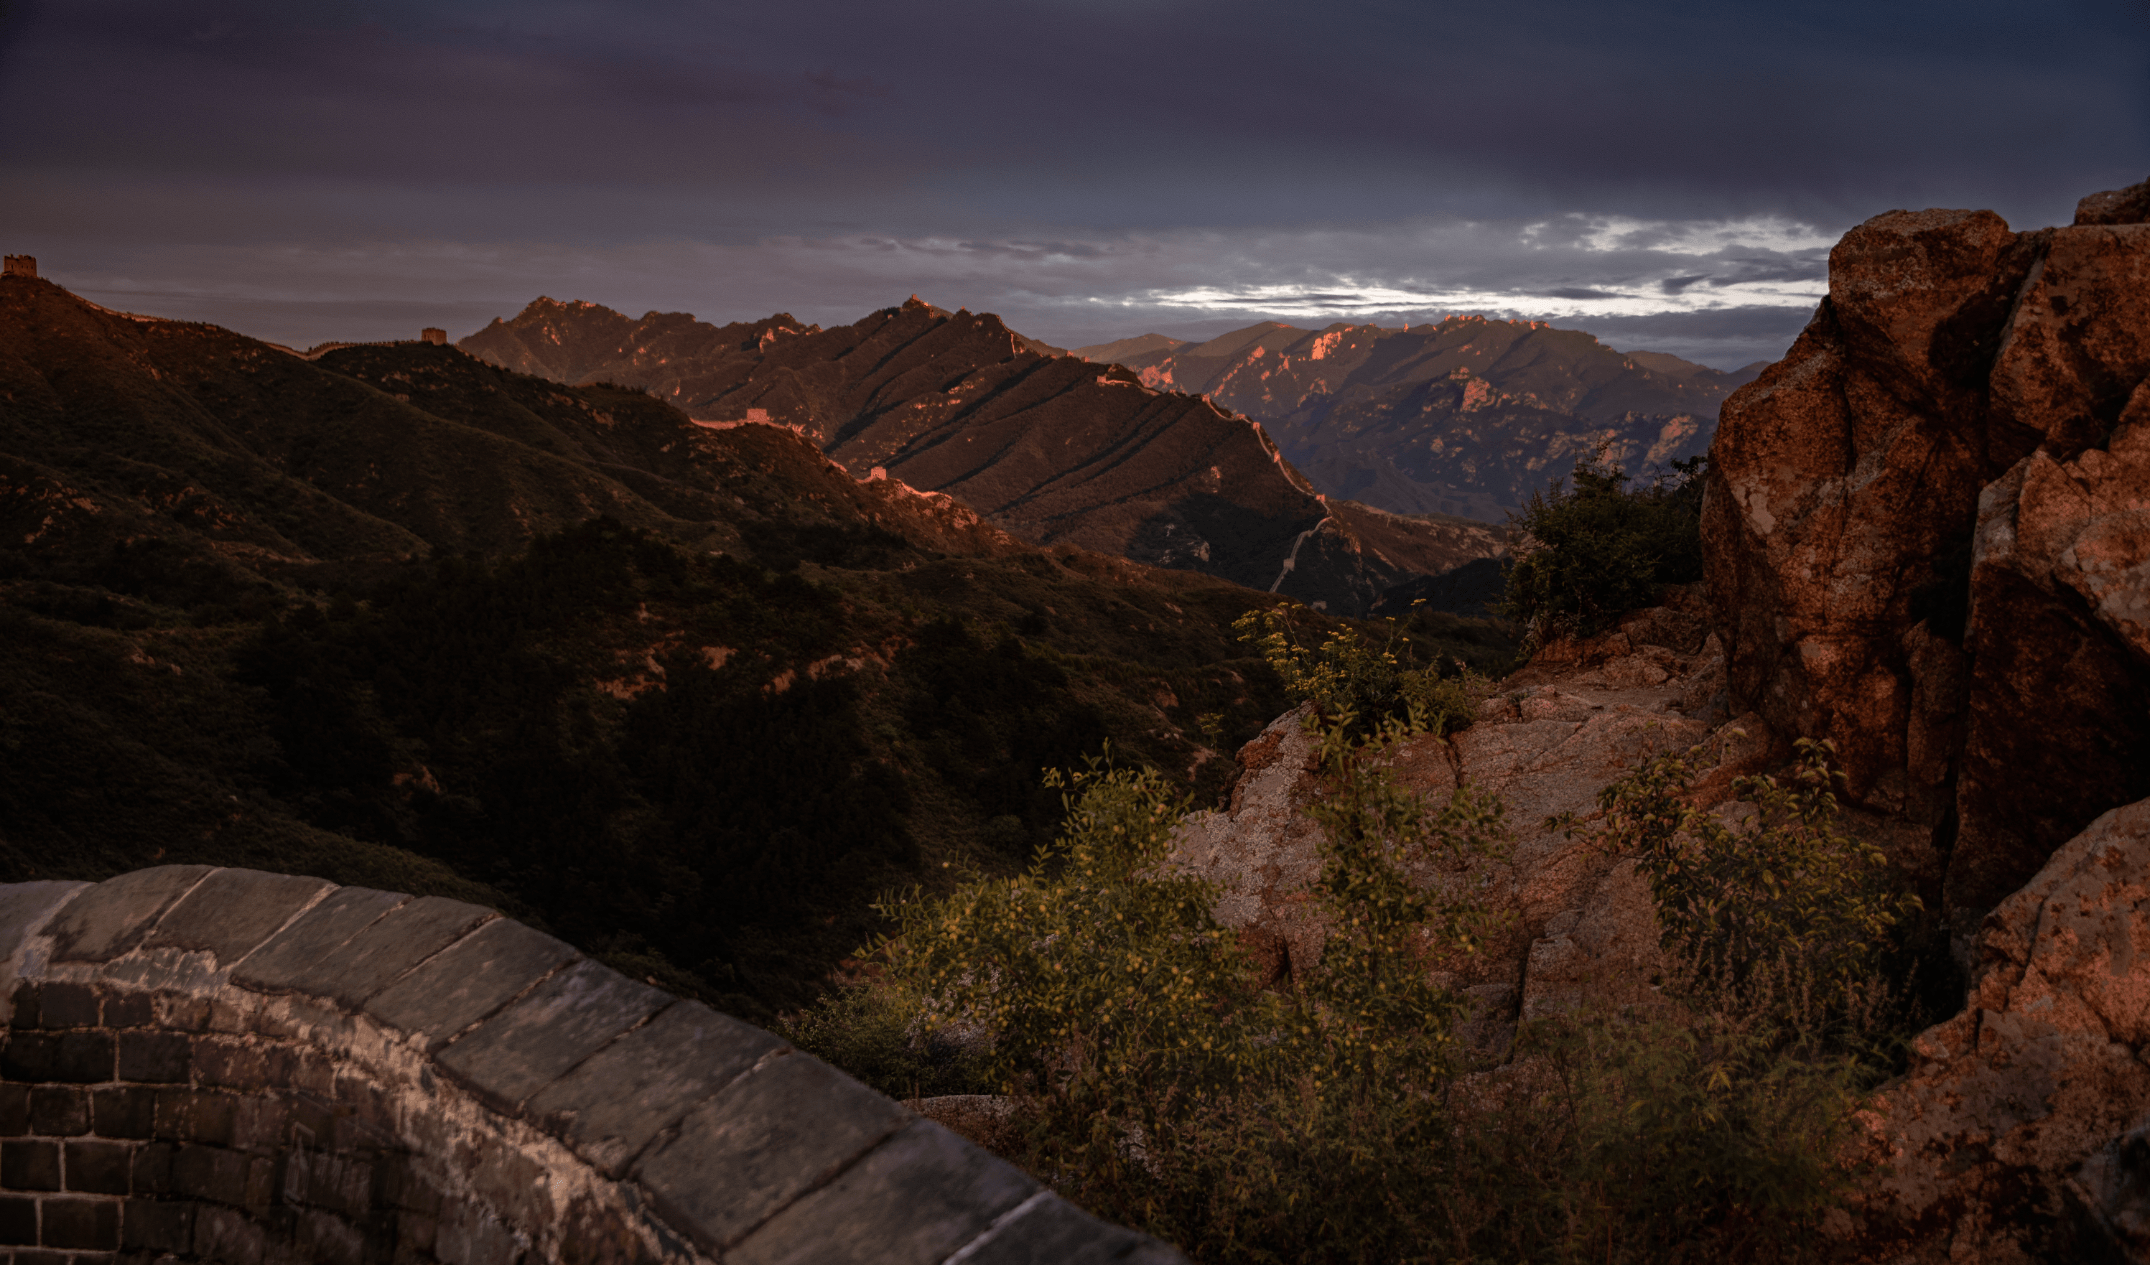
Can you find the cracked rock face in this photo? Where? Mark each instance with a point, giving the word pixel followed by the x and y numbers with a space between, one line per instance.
pixel 2022 1129
pixel 1927 533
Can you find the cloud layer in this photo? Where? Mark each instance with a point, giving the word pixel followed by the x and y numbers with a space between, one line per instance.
pixel 1090 169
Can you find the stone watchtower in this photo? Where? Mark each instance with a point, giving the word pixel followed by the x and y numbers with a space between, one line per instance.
pixel 438 337
pixel 19 266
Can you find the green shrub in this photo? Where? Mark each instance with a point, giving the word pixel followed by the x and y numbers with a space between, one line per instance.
pixel 1345 674
pixel 1602 548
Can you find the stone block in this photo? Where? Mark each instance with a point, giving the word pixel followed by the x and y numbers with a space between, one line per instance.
pixel 130 1009
pixel 83 1058
pixel 58 1258
pixel 467 1236
pixel 760 1144
pixel 59 1112
pixel 232 912
pixel 152 1169
pixel 90 1225
pixel 195 1115
pixel 217 1175
pixel 383 951
pixel 227 1235
pixel 18 1220
pixel 231 1063
pixel 123 1113
pixel 1048 1230
pixel 156 1058
pixel 99 1168
pixel 157 1227
pixel 29 1056
pixel 25 908
pixel 610 1106
pixel 914 1199
pixel 261 1121
pixel 60 1006
pixel 326 1239
pixel 314 938
pixel 469 980
pixel 14 1110
pixel 106 920
pixel 561 1022
pixel 30 1165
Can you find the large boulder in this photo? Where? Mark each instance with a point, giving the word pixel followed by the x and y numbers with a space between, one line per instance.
pixel 2022 1130
pixel 1866 569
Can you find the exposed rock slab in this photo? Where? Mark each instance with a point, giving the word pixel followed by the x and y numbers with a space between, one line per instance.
pixel 2022 1130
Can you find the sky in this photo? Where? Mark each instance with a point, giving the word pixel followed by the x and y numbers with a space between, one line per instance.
pixel 1666 175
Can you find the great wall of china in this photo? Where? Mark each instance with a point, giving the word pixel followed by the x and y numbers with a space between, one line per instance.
pixel 226 1065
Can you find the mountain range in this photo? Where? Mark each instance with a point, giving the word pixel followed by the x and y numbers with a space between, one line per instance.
pixel 1468 416
pixel 1049 447
pixel 686 695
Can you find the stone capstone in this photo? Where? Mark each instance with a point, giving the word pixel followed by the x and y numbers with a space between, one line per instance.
pixel 1925 538
pixel 223 1065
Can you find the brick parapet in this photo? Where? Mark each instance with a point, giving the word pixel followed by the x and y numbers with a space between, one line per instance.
pixel 225 1064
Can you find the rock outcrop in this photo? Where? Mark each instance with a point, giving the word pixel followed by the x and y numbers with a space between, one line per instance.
pixel 1927 537
pixel 1552 736
pixel 2022 1130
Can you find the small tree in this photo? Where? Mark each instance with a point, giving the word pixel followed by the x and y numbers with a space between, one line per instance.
pixel 1601 548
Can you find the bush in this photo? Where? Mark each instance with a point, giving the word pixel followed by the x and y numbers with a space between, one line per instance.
pixel 1347 678
pixel 1591 553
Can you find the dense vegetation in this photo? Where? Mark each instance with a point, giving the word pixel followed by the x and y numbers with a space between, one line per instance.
pixel 1339 1119
pixel 1595 550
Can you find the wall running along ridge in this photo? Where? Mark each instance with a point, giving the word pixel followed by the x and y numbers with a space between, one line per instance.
pixel 221 1064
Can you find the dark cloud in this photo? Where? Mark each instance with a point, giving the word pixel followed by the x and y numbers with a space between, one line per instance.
pixel 1084 166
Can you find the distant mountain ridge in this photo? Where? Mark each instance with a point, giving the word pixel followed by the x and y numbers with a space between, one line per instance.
pixel 1468 416
pixel 1048 447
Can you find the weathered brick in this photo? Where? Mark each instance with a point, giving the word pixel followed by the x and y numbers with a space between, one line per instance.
pixel 534 1042
pixel 29 1056
pixel 317 936
pixel 365 1116
pixel 22 1007
pixel 1051 1231
pixel 228 1235
pixel 157 1227
pixel 401 1186
pixel 126 1112
pixel 609 1107
pixel 30 1165
pixel 57 1112
pixel 98 1168
pixel 192 1115
pixel 341 1181
pixel 130 1008
pixel 469 980
pixel 83 1224
pixel 152 1170
pixel 84 1058
pixel 467 1236
pixel 233 911
pixel 18 1220
pixel 213 1173
pixel 58 1258
pixel 155 1058
pixel 760 1144
pixel 915 1199
pixel 179 1012
pixel 68 1006
pixel 106 920
pixel 14 1110
pixel 232 1063
pixel 326 1239
pixel 261 1121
